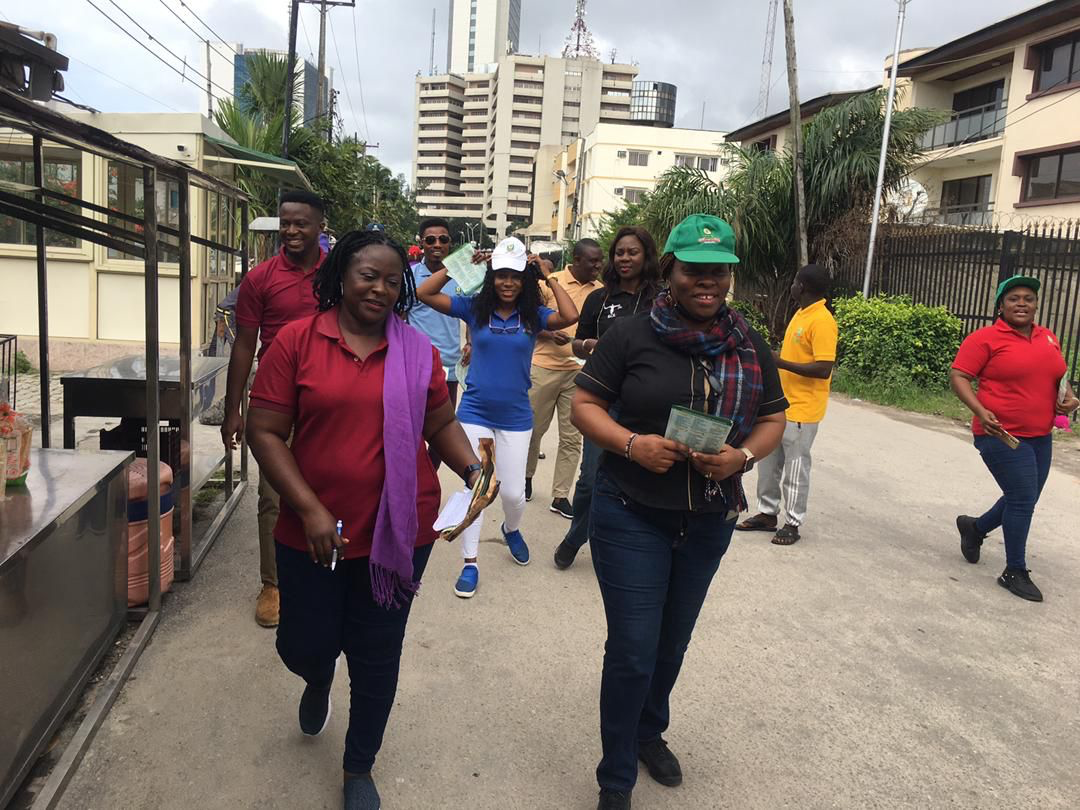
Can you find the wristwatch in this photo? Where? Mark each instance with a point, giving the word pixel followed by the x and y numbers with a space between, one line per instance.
pixel 750 459
pixel 469 471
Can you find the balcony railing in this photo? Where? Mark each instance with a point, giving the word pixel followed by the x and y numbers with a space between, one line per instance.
pixel 967 126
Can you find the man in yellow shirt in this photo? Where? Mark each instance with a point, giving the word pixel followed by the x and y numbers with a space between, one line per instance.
pixel 806 362
pixel 553 371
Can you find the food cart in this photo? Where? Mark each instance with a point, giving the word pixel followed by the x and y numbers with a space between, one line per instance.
pixel 63 540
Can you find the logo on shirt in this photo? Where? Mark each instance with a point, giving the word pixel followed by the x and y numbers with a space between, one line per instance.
pixel 612 309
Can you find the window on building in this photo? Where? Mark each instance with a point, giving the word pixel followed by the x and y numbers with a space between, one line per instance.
pixel 1058 63
pixel 639 158
pixel 1052 176
pixel 984 95
pixel 707 164
pixel 619 191
pixel 61 175
pixel 125 189
pixel 634 195
pixel 765 144
pixel 968 193
pixel 686 161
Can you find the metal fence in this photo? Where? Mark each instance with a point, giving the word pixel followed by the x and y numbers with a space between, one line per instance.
pixel 960 268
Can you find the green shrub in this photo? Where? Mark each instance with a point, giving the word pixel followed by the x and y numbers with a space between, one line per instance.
pixel 890 338
pixel 753 316
pixel 22 363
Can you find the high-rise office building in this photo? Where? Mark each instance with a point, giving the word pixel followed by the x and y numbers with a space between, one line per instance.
pixel 481 32
pixel 477 135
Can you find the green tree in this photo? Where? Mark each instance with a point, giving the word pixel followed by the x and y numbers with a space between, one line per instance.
pixel 841 147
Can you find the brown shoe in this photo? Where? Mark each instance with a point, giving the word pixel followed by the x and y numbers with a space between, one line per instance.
pixel 267 606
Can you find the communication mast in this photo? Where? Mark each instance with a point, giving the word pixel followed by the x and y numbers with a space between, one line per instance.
pixel 766 60
pixel 580 43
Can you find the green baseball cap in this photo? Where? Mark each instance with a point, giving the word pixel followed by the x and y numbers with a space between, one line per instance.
pixel 702 239
pixel 1016 281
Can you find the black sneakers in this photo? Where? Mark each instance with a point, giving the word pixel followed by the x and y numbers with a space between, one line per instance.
pixel 662 764
pixel 360 793
pixel 564 555
pixel 314 710
pixel 561 506
pixel 1018 581
pixel 528 489
pixel 971 538
pixel 613 800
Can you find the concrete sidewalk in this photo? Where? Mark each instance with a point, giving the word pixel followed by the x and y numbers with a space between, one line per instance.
pixel 866 666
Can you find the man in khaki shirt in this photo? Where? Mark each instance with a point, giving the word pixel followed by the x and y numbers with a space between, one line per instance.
pixel 554 368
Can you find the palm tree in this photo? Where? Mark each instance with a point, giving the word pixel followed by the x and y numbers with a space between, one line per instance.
pixel 255 119
pixel 841 147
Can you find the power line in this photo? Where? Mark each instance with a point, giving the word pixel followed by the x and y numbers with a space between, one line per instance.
pixel 345 84
pixel 359 79
pixel 152 38
pixel 123 84
pixel 197 34
pixel 307 39
pixel 207 27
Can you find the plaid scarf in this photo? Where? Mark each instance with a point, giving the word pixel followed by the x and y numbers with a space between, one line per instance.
pixel 734 375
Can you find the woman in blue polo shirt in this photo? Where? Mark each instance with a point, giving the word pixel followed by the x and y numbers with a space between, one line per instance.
pixel 505 318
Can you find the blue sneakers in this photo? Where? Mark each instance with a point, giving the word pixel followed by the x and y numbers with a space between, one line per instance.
pixel 466 583
pixel 516 543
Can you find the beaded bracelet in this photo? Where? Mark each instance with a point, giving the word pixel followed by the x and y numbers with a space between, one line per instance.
pixel 630 446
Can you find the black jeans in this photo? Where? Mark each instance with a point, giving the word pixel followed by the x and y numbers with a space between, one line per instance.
pixel 325 613
pixel 654 567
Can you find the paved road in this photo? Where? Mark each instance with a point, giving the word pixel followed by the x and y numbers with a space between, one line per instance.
pixel 867 666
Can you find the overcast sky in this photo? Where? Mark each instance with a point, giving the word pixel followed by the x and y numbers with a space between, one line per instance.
pixel 711 49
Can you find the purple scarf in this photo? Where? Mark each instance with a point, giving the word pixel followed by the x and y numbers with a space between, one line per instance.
pixel 406 378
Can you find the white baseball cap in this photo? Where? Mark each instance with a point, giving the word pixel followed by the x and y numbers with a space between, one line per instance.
pixel 509 254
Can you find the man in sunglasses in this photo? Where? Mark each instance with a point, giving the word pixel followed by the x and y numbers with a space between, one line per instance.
pixel 444 331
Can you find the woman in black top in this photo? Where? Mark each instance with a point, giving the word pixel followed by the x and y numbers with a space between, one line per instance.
pixel 663 514
pixel 631 281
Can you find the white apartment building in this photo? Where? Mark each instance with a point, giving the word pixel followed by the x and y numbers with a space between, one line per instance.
pixel 481 32
pixel 477 135
pixel 612 165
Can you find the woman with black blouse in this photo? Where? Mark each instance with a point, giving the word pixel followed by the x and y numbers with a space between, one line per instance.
pixel 631 281
pixel 663 514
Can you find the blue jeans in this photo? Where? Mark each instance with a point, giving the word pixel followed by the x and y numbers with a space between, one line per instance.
pixel 578 535
pixel 654 567
pixel 325 613
pixel 1021 474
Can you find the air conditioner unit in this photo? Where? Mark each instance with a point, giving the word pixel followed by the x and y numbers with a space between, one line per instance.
pixel 618 191
pixel 621 153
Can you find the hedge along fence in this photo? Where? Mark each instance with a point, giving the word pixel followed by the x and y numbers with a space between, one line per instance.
pixel 889 337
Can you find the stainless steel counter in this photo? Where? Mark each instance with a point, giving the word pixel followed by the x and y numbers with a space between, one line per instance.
pixel 63 593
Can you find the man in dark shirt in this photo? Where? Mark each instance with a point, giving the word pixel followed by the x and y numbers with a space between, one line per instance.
pixel 274 293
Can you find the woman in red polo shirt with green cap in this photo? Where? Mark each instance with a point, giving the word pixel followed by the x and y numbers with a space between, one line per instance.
pixel 360 391
pixel 1020 370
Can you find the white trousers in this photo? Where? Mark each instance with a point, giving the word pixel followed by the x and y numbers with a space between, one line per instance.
pixel 511 456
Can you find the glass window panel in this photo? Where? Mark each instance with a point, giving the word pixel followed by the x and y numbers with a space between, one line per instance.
pixel 1042 178
pixel 1054 67
pixel 1069 186
pixel 1074 76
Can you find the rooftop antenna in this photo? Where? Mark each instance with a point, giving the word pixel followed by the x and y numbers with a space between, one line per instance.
pixel 432 67
pixel 613 53
pixel 580 43
pixel 766 60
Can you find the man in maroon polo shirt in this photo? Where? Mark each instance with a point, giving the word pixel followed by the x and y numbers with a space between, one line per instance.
pixel 275 293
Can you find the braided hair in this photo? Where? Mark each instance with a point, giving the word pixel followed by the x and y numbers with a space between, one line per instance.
pixel 330 276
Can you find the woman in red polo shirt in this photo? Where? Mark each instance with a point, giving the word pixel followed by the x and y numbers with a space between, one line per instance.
pixel 361 391
pixel 1019 368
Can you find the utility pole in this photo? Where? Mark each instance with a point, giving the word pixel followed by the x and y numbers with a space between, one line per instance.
pixel 796 133
pixel 884 147
pixel 330 117
pixel 290 77
pixel 209 85
pixel 320 84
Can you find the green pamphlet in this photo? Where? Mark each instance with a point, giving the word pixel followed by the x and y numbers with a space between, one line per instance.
pixel 698 431
pixel 469 276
